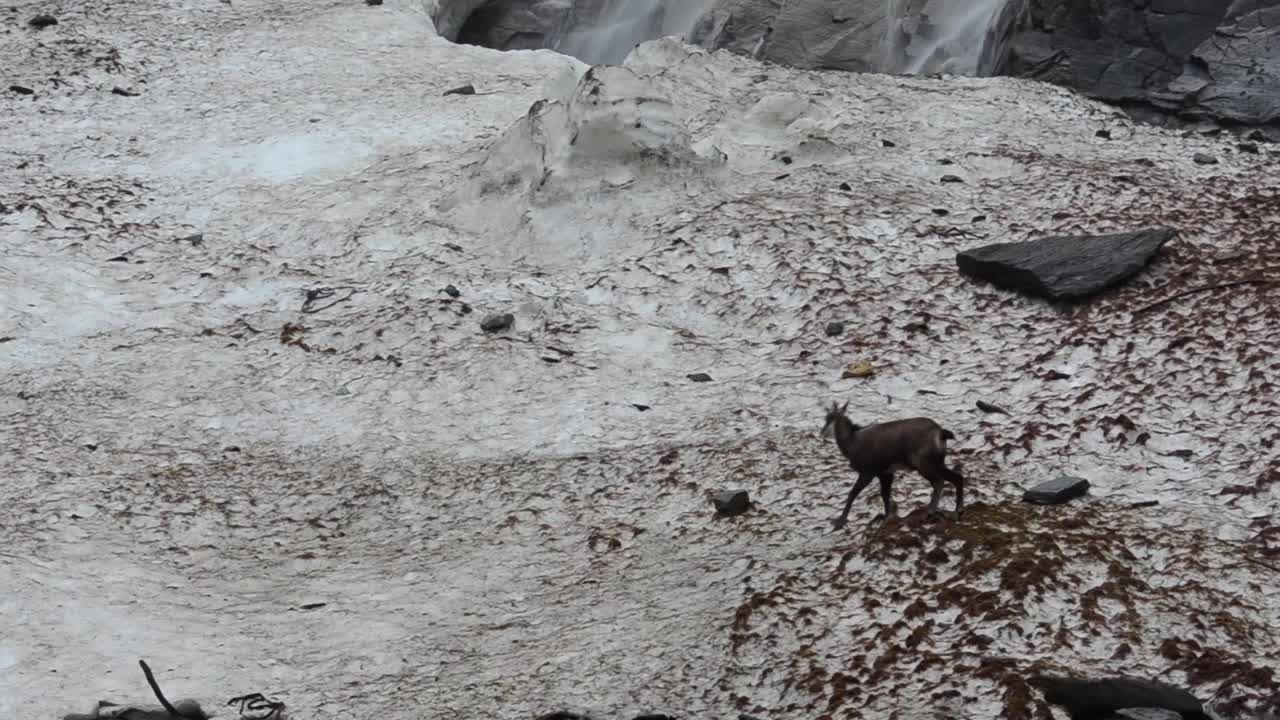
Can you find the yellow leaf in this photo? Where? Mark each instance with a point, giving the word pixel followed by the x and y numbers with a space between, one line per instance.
pixel 859 370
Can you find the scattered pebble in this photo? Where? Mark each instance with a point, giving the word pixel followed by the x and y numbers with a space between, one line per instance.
pixel 989 408
pixel 731 502
pixel 1057 375
pixel 640 407
pixel 372 2
pixel 42 21
pixel 951 179
pixel 1144 504
pixel 452 291
pixel 117 90
pixel 1057 491
pixel 1248 147
pixel 467 89
pixel 497 323
pixel 846 187
pixel 21 90
pixel 946 161
pixel 1104 134
pixel 699 377
pixel 888 143
pixel 941 212
pixel 1204 159
pixel 834 328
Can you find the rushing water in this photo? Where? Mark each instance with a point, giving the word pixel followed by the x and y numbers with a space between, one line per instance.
pixel 953 36
pixel 623 24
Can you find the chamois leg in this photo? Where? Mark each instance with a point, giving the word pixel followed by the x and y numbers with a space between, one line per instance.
pixel 886 494
pixel 957 481
pixel 863 481
pixel 937 473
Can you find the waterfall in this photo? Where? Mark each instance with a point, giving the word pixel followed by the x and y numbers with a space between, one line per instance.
pixel 620 25
pixel 963 37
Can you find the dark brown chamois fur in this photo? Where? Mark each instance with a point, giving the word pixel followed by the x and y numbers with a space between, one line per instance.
pixel 876 451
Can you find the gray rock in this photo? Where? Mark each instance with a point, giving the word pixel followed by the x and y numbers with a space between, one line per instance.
pixel 1199 60
pixel 1068 267
pixel 497 323
pixel 1058 491
pixel 731 502
pixel 1204 159
pixel 834 328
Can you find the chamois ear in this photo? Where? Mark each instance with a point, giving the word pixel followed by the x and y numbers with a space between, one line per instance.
pixel 845 409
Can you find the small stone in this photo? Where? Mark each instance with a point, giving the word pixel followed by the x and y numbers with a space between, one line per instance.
pixel 731 502
pixel 1248 147
pixel 1057 375
pixel 699 377
pixel 21 90
pixel 372 2
pixel 467 89
pixel 452 291
pixel 1104 134
pixel 849 188
pixel 497 323
pixel 786 159
pixel 117 90
pixel 946 161
pixel 639 406
pixel 951 179
pixel 941 212
pixel 989 408
pixel 1058 491
pixel 42 21
pixel 1204 159
pixel 834 328
pixel 888 143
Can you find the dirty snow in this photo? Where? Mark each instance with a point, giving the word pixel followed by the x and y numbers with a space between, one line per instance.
pixel 234 387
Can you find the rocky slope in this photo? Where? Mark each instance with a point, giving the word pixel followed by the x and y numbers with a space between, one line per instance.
pixel 254 434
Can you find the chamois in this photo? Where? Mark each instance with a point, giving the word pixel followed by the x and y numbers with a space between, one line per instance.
pixel 876 451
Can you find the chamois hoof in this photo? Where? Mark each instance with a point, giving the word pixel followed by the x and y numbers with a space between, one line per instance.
pixel 838 524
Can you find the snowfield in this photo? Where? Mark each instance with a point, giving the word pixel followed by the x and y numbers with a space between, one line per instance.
pixel 248 436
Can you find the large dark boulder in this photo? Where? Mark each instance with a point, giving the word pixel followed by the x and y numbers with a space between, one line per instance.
pixel 1066 267
pixel 1217 60
pixel 1088 699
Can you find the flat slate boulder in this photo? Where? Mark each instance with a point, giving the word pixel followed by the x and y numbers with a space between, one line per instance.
pixel 1065 267
pixel 1056 492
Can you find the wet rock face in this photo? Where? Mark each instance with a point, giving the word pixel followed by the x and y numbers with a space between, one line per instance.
pixel 861 36
pixel 1219 60
pixel 1066 267
pixel 594 31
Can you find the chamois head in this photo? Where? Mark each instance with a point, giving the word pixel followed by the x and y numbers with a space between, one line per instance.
pixel 835 414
